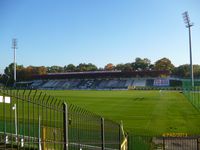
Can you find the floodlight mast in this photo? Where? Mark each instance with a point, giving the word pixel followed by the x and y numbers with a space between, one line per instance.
pixel 14 46
pixel 189 25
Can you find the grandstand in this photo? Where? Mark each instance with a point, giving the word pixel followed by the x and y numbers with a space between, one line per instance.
pixel 139 82
pixel 99 80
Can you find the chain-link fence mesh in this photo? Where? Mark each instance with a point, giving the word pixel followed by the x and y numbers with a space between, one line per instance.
pixel 33 120
pixel 192 92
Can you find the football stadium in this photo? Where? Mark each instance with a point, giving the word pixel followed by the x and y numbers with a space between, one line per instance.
pixel 99 75
pixel 109 109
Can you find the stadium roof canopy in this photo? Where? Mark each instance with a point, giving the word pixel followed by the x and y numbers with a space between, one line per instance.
pixel 101 74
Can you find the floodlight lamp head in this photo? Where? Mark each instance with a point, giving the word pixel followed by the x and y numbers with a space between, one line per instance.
pixel 187 19
pixel 14 43
pixel 185 13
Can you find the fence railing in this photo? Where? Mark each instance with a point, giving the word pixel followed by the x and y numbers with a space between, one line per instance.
pixel 192 92
pixel 33 120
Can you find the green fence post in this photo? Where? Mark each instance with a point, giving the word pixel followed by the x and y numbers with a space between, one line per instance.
pixel 102 134
pixel 163 143
pixel 65 125
pixel 119 136
pixel 39 137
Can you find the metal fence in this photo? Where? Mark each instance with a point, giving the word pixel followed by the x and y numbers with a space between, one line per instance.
pixel 192 92
pixel 33 120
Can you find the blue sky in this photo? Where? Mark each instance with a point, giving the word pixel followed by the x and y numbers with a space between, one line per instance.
pixel 60 32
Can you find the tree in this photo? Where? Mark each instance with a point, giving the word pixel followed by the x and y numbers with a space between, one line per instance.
pixel 41 70
pixel 151 67
pixel 196 69
pixel 23 73
pixel 124 67
pixel 86 67
pixel 28 72
pixel 109 67
pixel 91 67
pixel 55 69
pixel 5 79
pixel 141 64
pixel 70 68
pixel 183 71
pixel 127 67
pixel 119 67
pixel 164 64
pixel 10 70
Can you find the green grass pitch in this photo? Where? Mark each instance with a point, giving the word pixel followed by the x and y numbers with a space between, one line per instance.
pixel 142 112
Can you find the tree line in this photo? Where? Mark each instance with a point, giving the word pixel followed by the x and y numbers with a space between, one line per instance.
pixel 140 64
